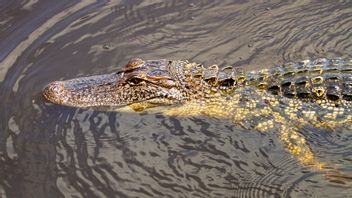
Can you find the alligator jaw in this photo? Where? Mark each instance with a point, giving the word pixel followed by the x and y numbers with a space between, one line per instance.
pixel 135 83
pixel 108 90
pixel 82 92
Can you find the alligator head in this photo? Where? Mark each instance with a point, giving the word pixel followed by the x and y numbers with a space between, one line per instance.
pixel 151 82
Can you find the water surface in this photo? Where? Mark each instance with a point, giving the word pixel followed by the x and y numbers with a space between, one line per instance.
pixel 48 150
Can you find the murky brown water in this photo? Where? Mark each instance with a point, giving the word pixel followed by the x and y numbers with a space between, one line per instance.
pixel 53 151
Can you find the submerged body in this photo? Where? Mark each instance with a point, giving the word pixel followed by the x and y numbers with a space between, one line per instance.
pixel 282 99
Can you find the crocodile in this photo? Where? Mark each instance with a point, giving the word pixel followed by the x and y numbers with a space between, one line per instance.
pixel 283 99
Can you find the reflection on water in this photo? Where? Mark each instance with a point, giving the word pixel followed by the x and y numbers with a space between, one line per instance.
pixel 58 151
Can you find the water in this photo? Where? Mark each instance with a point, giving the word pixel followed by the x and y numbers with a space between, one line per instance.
pixel 53 151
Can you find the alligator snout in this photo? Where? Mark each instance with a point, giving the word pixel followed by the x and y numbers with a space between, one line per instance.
pixel 54 92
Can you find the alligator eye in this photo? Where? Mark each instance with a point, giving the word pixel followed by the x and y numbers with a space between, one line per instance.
pixel 135 81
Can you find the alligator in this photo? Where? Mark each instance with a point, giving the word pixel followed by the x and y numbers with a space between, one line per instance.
pixel 283 99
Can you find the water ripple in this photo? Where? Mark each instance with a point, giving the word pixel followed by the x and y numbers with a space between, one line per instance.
pixel 48 150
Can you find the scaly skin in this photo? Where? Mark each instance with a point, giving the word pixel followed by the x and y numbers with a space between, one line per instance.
pixel 282 99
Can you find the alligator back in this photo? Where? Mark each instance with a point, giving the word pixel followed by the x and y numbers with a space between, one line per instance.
pixel 317 80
